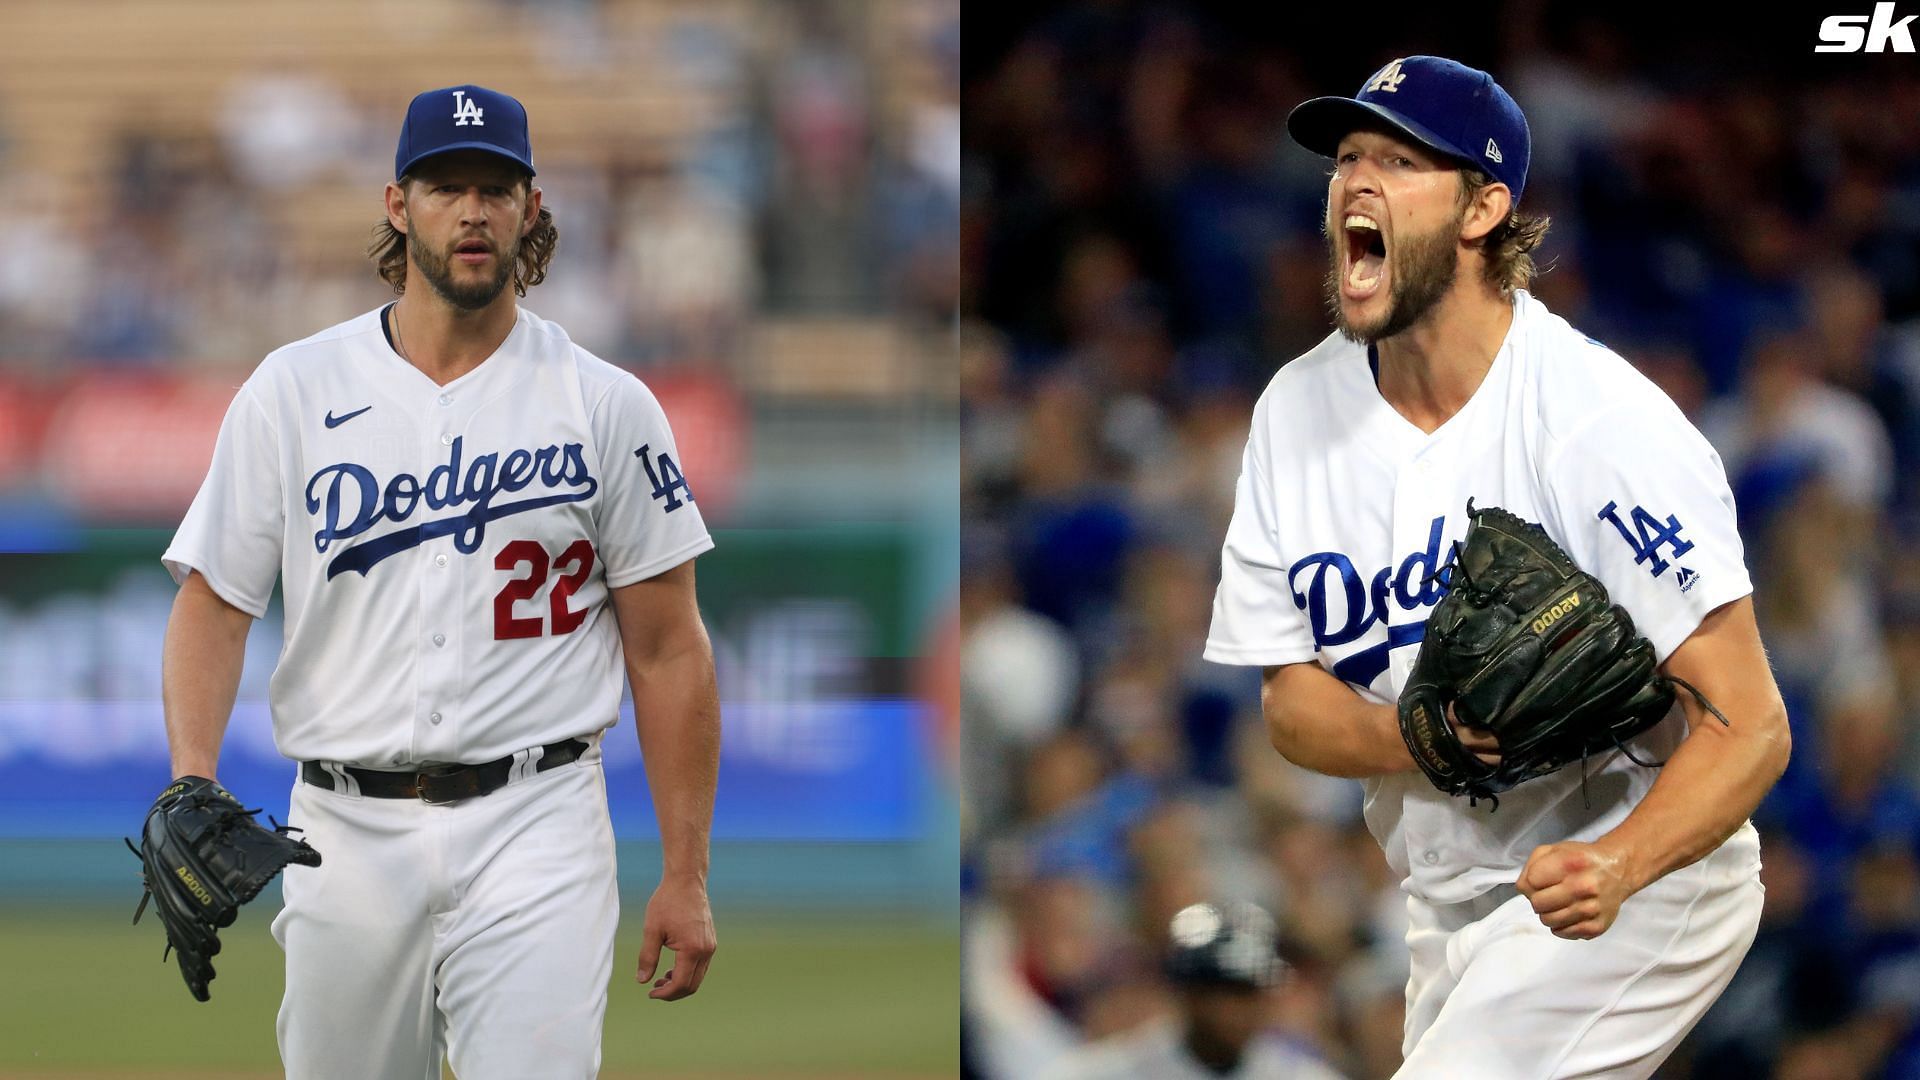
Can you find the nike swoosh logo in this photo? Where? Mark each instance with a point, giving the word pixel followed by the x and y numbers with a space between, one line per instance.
pixel 335 421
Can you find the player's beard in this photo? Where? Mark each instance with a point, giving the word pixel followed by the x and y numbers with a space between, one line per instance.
pixel 438 270
pixel 1423 268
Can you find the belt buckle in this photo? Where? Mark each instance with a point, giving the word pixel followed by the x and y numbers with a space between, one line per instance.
pixel 421 778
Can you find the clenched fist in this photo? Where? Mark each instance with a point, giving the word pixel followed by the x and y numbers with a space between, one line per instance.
pixel 1576 888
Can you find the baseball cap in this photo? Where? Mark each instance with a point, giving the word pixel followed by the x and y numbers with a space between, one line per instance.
pixel 1442 104
pixel 1230 944
pixel 463 118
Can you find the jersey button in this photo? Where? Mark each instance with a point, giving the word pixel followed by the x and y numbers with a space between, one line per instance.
pixel 439 639
pixel 446 399
pixel 446 440
pixel 1431 856
pixel 434 718
pixel 440 560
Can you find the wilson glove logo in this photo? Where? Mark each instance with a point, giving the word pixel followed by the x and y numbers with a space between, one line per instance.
pixel 1874 33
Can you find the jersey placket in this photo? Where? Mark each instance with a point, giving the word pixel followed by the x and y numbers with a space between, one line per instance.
pixel 437 723
pixel 1420 496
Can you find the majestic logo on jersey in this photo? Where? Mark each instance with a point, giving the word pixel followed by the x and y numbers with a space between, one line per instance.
pixel 1389 79
pixel 333 421
pixel 1686 579
pixel 466 112
pixel 1327 587
pixel 353 500
pixel 1652 536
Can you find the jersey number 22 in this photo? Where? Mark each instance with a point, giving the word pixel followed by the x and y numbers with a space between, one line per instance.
pixel 561 615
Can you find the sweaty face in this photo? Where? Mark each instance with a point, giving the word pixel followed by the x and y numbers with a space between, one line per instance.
pixel 1394 214
pixel 464 217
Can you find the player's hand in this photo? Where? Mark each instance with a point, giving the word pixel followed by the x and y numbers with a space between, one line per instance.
pixel 1576 888
pixel 679 919
pixel 1479 742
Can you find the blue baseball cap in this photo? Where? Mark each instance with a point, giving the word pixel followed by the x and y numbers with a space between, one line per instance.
pixel 1441 104
pixel 463 118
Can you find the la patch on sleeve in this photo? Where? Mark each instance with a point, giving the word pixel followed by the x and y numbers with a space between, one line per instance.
pixel 1648 535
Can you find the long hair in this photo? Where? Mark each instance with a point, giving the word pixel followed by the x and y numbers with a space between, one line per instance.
pixel 1508 247
pixel 389 251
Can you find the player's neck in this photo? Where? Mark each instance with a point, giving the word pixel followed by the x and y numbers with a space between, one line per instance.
pixel 1430 371
pixel 446 342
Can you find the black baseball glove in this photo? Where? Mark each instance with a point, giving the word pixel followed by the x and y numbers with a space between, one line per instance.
pixel 1527 646
pixel 202 855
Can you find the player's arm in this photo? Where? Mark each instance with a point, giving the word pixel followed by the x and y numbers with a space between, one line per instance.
pixel 1710 786
pixel 1721 771
pixel 200 674
pixel 676 705
pixel 1320 723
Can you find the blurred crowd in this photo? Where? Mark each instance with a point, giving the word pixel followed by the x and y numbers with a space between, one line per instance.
pixel 824 182
pixel 1141 250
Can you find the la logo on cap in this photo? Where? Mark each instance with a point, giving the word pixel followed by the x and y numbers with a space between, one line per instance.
pixel 465 112
pixel 1389 79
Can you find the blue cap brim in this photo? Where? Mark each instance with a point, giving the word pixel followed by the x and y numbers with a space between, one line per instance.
pixel 487 146
pixel 1321 123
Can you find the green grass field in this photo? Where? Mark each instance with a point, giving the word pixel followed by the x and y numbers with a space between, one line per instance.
pixel 84 994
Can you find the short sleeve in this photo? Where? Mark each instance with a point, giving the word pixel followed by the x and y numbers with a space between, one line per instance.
pixel 234 531
pixel 649 521
pixel 1644 506
pixel 1255 619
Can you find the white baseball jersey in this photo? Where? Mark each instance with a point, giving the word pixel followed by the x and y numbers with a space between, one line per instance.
pixel 1344 509
pixel 445 551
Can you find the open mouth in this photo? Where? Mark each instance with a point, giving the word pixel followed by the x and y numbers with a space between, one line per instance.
pixel 1366 255
pixel 473 251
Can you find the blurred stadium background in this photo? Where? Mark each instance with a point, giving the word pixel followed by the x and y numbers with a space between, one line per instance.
pixel 757 203
pixel 1141 249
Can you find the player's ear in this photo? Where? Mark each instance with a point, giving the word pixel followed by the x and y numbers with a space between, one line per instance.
pixel 396 200
pixel 1486 208
pixel 530 214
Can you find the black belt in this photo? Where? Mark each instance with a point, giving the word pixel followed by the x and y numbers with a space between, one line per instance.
pixel 440 784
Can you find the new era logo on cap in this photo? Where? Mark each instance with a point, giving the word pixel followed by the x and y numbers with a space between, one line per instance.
pixel 1442 104
pixel 463 118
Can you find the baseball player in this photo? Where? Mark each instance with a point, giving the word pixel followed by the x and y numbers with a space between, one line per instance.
pixel 1224 961
pixel 479 529
pixel 1581 925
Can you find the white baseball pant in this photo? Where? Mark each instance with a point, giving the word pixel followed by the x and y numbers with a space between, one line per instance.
pixel 482 931
pixel 1493 994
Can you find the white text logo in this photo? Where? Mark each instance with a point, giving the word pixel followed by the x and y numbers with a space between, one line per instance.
pixel 1846 33
pixel 1388 81
pixel 465 112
